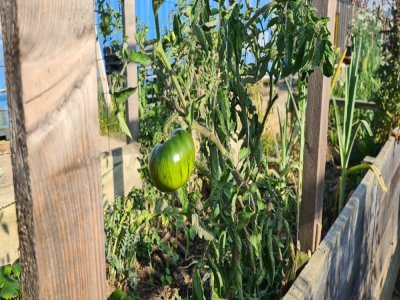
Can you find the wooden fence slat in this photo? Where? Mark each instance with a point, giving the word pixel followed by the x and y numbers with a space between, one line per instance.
pixel 315 146
pixel 49 48
pixel 132 107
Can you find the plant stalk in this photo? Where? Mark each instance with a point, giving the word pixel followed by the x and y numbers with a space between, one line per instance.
pixel 342 195
pixel 225 154
pixel 163 57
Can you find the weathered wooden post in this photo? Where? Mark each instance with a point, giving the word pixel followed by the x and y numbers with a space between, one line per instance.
pixel 49 48
pixel 315 146
pixel 132 107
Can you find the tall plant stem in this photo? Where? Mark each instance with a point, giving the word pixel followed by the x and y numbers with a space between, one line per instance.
pixel 342 195
pixel 302 121
pixel 163 57
pixel 225 154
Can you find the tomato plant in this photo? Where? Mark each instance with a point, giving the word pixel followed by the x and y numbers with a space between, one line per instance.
pixel 206 63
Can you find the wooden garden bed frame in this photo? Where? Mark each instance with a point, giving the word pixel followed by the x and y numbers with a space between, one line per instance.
pixel 360 256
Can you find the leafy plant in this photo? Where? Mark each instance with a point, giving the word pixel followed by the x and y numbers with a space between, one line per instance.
pixel 346 127
pixel 388 97
pixel 10 281
pixel 210 57
pixel 367 27
pixel 134 228
pixel 113 33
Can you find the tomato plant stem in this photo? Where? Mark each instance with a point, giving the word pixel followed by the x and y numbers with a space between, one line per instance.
pixel 159 50
pixel 213 138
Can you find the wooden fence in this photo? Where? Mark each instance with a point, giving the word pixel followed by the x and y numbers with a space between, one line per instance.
pixel 360 256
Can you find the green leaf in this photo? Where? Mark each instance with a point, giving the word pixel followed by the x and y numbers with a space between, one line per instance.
pixel 328 65
pixel 117 295
pixel 122 124
pixel 9 287
pixel 122 95
pixel 16 269
pixel 139 58
pixel 183 198
pixel 200 37
pixel 318 54
pixel 177 28
pixel 367 127
pixel 244 217
pixel 244 153
pixel 228 13
pixel 198 291
pixel 192 233
pixel 270 259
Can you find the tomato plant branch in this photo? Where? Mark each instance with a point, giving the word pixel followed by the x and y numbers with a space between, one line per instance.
pixel 225 154
pixel 268 110
pixel 258 13
pixel 161 54
pixel 169 123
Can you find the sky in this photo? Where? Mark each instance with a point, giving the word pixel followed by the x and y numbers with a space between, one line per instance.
pixel 144 13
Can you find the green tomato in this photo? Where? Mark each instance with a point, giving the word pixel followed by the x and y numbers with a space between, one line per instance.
pixel 171 163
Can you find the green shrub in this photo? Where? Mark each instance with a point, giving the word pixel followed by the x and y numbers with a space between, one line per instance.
pixel 388 97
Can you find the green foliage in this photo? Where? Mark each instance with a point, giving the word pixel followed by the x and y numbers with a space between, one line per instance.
pixel 388 97
pixel 346 127
pixel 112 30
pixel 367 27
pixel 134 226
pixel 205 65
pixel 10 281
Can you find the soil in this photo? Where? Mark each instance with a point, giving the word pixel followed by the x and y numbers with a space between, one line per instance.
pixel 332 175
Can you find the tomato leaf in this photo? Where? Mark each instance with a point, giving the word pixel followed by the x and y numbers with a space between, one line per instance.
pixel 122 124
pixel 198 290
pixel 139 58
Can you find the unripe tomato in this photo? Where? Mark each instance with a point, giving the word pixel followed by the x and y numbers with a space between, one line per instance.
pixel 171 163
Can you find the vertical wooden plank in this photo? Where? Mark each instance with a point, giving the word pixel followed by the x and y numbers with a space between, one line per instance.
pixel 49 48
pixel 315 146
pixel 132 107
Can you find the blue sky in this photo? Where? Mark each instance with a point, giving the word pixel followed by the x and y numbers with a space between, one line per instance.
pixel 143 11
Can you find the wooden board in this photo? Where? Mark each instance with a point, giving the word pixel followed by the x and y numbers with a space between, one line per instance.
pixel 132 106
pixel 358 255
pixel 49 48
pixel 315 146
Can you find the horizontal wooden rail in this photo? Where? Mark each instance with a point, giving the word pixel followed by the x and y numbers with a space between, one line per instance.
pixel 359 104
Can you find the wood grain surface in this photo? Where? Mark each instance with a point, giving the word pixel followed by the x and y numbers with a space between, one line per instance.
pixel 315 146
pixel 49 48
pixel 132 105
